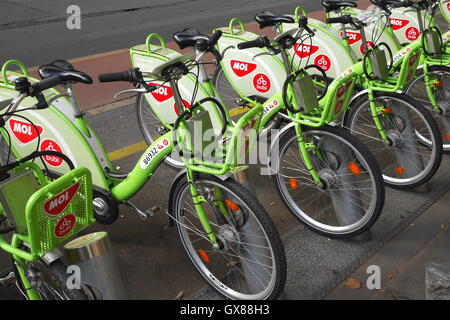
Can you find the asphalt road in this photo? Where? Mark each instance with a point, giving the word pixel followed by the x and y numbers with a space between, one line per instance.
pixel 35 31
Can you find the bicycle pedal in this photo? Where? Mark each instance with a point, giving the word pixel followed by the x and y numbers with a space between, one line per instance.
pixel 180 295
pixel 154 210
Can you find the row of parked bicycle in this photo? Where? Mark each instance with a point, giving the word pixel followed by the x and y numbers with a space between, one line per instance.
pixel 348 106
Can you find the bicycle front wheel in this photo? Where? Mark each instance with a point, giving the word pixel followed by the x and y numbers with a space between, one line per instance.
pixel 350 196
pixel 440 86
pixel 51 282
pixel 413 151
pixel 248 261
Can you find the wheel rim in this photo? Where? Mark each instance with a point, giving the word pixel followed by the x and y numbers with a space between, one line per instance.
pixel 245 264
pixel 403 161
pixel 418 91
pixel 318 206
pixel 149 124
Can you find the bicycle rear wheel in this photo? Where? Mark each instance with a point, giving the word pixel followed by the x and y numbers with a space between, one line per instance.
pixel 151 129
pixel 414 150
pixel 249 261
pixel 350 197
pixel 440 83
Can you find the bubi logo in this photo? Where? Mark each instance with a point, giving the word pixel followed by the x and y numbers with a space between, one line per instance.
pixel 261 82
pixel 56 205
pixel 64 225
pixel 412 34
pixel 24 131
pixel 305 50
pixel 241 68
pixel 323 61
pixel 50 145
pixel 397 24
pixel 162 94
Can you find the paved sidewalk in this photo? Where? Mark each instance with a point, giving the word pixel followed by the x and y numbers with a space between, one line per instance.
pixel 403 260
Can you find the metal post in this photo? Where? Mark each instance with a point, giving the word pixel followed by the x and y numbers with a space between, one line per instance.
pixel 92 253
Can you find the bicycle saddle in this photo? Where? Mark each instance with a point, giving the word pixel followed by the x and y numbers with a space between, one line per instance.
pixel 269 19
pixel 331 5
pixel 65 71
pixel 188 38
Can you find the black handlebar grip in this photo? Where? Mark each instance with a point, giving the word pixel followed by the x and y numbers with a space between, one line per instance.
pixel 116 76
pixel 48 83
pixel 344 19
pixel 215 37
pixel 257 43
pixel 399 4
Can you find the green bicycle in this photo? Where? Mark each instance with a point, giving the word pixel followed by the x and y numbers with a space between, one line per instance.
pixel 400 133
pixel 325 176
pixel 226 233
pixel 429 86
pixel 42 216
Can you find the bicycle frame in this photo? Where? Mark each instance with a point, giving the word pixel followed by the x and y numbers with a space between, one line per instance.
pixel 75 146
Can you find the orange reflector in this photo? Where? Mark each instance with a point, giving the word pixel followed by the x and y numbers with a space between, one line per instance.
pixel 438 84
pixel 203 255
pixel 447 137
pixel 387 110
pixel 230 204
pixel 354 168
pixel 293 183
pixel 400 170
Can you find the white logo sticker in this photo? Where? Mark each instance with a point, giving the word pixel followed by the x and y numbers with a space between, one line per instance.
pixel 153 152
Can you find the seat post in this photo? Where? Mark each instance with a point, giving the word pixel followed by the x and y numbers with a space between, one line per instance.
pixel 73 100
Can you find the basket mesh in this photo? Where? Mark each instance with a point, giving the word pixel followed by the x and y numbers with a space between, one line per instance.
pixel 42 228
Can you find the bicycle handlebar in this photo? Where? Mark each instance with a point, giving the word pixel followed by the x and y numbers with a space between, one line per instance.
pixel 132 75
pixel 259 42
pixel 46 84
pixel 344 19
pixel 126 76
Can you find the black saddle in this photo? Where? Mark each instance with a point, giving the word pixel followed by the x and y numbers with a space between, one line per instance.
pixel 331 5
pixel 65 71
pixel 188 38
pixel 269 19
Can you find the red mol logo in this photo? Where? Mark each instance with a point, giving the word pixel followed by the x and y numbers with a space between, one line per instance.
pixel 24 131
pixel 64 225
pixel 56 205
pixel 241 68
pixel 162 94
pixel 369 45
pixel 342 90
pixel 397 24
pixel 353 37
pixel 50 145
pixel 305 50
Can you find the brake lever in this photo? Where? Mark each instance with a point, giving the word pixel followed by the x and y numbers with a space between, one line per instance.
pixel 273 52
pixel 141 90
